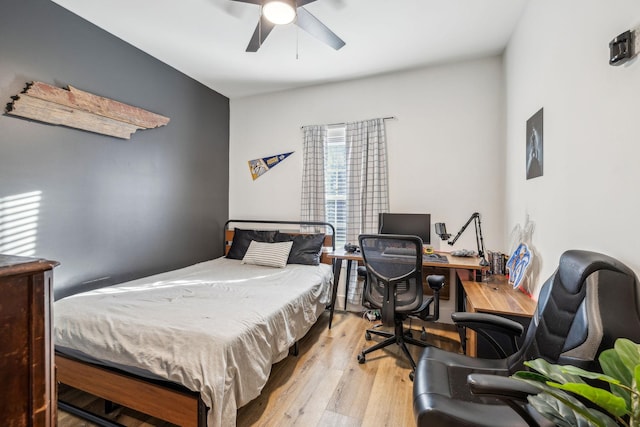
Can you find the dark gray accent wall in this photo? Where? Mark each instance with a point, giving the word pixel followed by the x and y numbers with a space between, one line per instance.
pixel 110 209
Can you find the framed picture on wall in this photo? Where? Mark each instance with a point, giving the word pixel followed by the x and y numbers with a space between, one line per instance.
pixel 534 146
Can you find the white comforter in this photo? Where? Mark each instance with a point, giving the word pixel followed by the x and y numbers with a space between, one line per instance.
pixel 214 327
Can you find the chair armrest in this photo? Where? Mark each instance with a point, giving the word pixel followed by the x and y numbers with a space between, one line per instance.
pixel 512 392
pixel 484 321
pixel 501 387
pixel 436 282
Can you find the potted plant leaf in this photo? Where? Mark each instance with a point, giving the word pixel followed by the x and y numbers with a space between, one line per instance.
pixel 612 397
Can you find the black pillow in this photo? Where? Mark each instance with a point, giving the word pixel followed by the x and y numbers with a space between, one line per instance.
pixel 306 247
pixel 242 239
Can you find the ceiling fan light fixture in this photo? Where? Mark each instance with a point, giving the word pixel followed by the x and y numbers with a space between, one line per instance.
pixel 280 12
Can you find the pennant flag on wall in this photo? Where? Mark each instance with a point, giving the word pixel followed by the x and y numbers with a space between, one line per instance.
pixel 259 167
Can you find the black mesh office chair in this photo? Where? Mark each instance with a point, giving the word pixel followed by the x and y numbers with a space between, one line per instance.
pixel 394 285
pixel 589 302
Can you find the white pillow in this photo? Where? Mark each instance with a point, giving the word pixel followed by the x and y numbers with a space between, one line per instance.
pixel 267 254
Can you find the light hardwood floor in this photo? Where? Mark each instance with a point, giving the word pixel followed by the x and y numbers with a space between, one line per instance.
pixel 323 386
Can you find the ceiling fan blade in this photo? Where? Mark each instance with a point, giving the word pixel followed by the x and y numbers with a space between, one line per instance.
pixel 249 1
pixel 260 34
pixel 300 3
pixel 317 29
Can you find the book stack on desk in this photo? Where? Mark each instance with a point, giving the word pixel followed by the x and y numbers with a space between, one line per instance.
pixel 497 262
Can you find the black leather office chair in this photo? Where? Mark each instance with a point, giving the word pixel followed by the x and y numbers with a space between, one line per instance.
pixel 589 302
pixel 394 285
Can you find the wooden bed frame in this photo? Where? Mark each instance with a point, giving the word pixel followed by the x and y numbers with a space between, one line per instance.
pixel 160 399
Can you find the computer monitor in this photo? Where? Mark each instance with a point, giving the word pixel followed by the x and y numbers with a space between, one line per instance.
pixel 406 223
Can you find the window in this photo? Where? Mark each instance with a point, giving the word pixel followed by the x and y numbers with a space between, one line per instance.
pixel 327 193
pixel 335 172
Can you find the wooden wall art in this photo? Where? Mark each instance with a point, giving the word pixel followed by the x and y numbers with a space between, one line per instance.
pixel 82 110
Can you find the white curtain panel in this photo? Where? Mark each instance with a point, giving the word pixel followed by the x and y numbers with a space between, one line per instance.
pixel 367 184
pixel 313 152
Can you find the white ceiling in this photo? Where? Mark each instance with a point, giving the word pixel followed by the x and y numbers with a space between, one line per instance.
pixel 206 39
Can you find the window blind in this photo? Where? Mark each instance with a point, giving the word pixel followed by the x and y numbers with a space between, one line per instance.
pixel 336 182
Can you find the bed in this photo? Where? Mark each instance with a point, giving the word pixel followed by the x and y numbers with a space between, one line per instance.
pixel 191 346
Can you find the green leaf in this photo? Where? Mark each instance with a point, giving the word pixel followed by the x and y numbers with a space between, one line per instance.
pixel 635 398
pixel 553 410
pixel 560 385
pixel 592 416
pixel 628 352
pixel 574 370
pixel 606 400
pixel 567 410
pixel 530 375
pixel 551 371
pixel 620 361
pixel 613 366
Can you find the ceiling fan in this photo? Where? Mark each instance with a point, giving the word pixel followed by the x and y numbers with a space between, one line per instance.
pixel 279 12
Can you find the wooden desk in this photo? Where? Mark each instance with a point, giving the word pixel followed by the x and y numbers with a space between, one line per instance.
pixel 339 255
pixel 495 296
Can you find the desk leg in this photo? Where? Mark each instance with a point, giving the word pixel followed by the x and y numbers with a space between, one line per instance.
pixel 460 306
pixel 454 279
pixel 337 266
pixel 346 284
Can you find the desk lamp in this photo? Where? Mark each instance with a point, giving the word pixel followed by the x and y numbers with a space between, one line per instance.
pixel 441 230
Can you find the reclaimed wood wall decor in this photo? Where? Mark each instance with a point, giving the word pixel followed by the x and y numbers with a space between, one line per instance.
pixel 82 110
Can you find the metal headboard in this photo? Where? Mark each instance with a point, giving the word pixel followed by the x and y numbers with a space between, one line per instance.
pixel 299 223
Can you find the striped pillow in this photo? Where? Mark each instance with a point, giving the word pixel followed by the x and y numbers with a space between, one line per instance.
pixel 267 254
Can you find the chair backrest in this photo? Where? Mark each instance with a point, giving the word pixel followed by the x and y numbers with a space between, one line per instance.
pixel 394 273
pixel 589 302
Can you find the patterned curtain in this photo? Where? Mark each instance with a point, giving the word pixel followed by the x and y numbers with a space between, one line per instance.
pixel 313 152
pixel 367 184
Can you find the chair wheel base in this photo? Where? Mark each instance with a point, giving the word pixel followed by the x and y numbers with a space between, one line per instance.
pixel 412 374
pixel 361 358
pixel 367 336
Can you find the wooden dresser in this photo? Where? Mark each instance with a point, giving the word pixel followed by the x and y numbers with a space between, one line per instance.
pixel 26 345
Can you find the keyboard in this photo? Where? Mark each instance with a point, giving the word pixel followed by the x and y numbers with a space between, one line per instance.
pixel 435 258
pixel 400 251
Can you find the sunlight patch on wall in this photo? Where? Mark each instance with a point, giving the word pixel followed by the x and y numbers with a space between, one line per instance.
pixel 19 223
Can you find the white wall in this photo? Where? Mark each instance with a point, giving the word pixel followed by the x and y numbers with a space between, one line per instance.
pixel 446 151
pixel 588 197
pixel 445 147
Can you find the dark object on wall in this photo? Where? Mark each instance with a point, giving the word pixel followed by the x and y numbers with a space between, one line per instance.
pixel 534 145
pixel 621 48
pixel 589 302
pixel 26 347
pixel 82 110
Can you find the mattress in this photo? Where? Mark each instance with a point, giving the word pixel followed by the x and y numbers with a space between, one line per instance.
pixel 215 327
